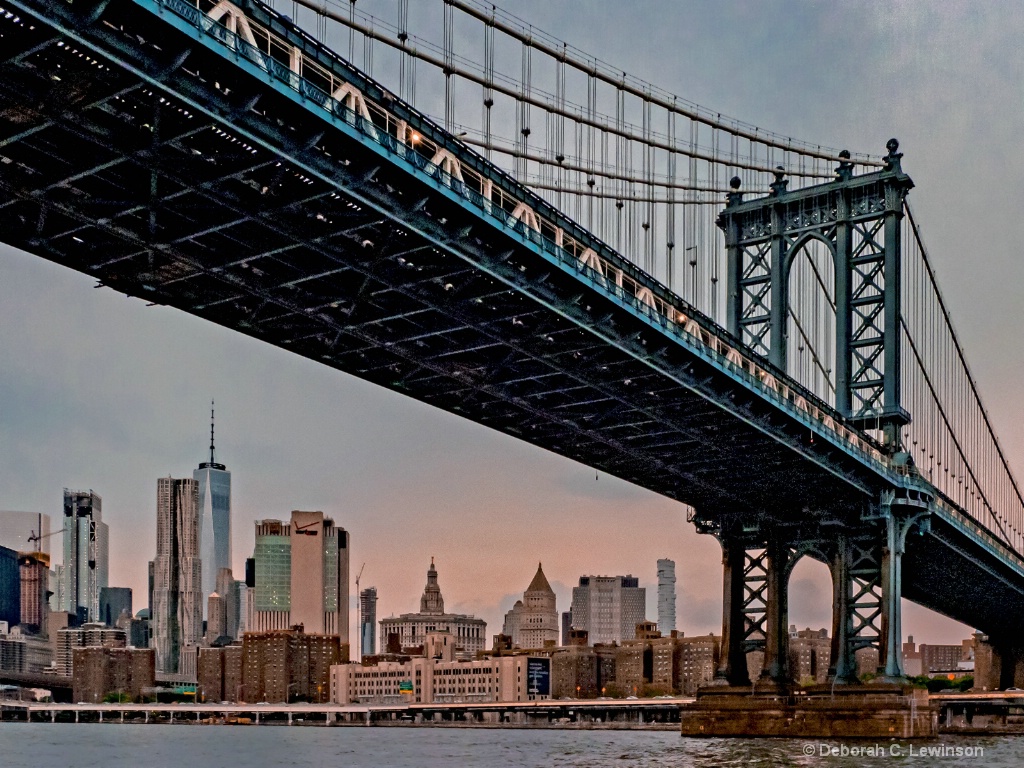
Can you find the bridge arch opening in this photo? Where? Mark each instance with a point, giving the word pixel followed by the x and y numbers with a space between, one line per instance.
pixel 811 316
pixel 810 620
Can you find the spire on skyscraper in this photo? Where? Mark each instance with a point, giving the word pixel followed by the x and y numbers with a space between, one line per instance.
pixel 212 463
pixel 211 432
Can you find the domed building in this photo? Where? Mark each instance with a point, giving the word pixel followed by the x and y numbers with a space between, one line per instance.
pixel 410 630
pixel 533 621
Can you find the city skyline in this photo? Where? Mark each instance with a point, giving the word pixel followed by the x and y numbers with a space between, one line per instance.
pixel 103 389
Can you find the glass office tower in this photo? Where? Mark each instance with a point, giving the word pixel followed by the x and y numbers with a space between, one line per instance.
pixel 368 622
pixel 214 518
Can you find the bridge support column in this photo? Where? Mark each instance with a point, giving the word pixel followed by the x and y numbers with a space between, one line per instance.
pixel 843 665
pixel 775 674
pixel 892 592
pixel 897 527
pixel 732 665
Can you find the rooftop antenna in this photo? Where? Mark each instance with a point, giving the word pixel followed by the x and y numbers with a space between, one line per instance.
pixel 211 432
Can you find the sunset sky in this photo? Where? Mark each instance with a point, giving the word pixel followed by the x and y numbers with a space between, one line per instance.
pixel 99 391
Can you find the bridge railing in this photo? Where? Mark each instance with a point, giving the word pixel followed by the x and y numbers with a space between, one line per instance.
pixel 416 140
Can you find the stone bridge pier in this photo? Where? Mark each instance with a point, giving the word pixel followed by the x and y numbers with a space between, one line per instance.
pixel 998 663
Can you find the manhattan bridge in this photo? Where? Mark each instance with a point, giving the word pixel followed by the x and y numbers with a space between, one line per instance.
pixel 486 219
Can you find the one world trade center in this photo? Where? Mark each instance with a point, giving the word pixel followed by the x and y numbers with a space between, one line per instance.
pixel 214 518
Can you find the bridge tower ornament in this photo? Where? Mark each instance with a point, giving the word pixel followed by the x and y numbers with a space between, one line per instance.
pixel 858 219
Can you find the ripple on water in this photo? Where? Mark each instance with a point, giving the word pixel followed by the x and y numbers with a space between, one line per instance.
pixel 163 746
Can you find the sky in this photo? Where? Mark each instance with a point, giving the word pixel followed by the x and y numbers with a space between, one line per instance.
pixel 99 391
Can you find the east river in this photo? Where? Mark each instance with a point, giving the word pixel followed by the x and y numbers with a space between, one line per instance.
pixel 42 745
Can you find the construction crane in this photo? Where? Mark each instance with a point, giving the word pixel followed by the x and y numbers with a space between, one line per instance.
pixel 37 538
pixel 359 598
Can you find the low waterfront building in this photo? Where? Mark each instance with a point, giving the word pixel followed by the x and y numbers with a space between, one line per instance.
pixel 89 635
pixel 810 651
pixel 220 674
pixel 697 659
pixel 582 671
pixel 289 665
pixel 129 674
pixel 650 665
pixel 434 681
pixel 410 630
pixel 24 654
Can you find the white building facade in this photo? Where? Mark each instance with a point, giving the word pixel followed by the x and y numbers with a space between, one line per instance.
pixel 608 607
pixel 411 629
pixel 666 596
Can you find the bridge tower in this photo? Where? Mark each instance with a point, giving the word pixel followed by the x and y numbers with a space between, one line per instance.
pixel 856 221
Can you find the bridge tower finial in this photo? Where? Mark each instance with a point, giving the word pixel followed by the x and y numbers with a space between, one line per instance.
pixel 845 170
pixel 778 186
pixel 892 160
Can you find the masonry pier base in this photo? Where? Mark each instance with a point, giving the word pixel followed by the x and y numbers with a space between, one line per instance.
pixel 815 712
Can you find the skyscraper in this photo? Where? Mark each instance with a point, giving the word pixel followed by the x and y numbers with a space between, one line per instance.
pixel 34 572
pixel 85 555
pixel 113 602
pixel 10 588
pixel 666 596
pixel 608 607
pixel 228 590
pixel 214 518
pixel 533 621
pixel 301 575
pixel 177 610
pixel 368 622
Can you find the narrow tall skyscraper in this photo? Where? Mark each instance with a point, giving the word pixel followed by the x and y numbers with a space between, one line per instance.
pixel 368 622
pixel 214 517
pixel 85 555
pixel 666 596
pixel 177 618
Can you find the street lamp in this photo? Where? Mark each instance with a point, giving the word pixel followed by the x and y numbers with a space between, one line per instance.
pixel 287 693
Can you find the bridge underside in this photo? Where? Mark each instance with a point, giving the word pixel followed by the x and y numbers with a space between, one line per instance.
pixel 134 154
pixel 946 572
pixel 215 194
